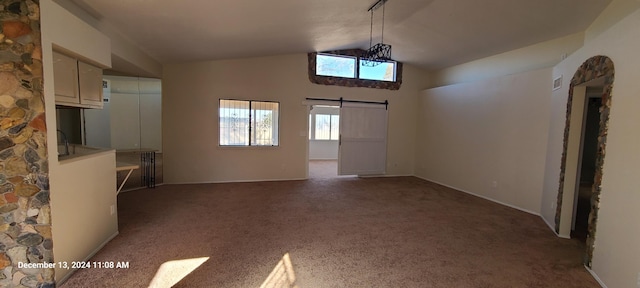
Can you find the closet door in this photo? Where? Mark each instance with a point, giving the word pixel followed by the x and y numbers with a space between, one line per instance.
pixel 363 139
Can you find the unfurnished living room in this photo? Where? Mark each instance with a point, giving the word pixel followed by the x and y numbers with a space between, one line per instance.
pixel 287 143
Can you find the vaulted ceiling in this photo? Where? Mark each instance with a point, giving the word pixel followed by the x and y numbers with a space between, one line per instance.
pixel 432 34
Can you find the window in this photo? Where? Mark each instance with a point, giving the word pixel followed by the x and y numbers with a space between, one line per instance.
pixel 324 123
pixel 327 127
pixel 345 67
pixel 387 75
pixel 248 123
pixel 337 66
pixel 385 71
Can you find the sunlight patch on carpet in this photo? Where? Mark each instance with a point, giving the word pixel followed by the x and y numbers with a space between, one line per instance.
pixel 171 272
pixel 282 275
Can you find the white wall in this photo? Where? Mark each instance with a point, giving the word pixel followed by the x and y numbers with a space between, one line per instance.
pixel 127 57
pixel 618 9
pixel 64 30
pixel 323 149
pixel 533 57
pixel 487 137
pixel 190 100
pixel 82 193
pixel 616 258
pixel 85 187
pixel 541 55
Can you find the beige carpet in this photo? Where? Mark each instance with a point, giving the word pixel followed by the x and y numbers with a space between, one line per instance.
pixel 343 232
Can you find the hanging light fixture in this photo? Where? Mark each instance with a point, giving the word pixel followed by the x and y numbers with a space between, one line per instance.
pixel 380 52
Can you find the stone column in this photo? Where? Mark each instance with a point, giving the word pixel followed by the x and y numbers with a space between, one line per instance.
pixel 25 227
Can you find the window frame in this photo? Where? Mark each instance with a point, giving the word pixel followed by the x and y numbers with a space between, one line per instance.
pixel 250 132
pixel 326 110
pixel 355 65
pixel 356 72
pixel 348 82
pixel 395 70
pixel 332 126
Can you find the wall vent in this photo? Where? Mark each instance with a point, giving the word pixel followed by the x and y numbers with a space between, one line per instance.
pixel 557 83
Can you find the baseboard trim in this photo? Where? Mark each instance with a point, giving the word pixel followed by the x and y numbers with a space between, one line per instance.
pixel 139 188
pixel 595 276
pixel 93 253
pixel 483 197
pixel 274 180
pixel 553 229
pixel 374 176
pixel 382 176
pixel 233 181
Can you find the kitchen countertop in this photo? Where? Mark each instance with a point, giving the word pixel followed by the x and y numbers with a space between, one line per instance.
pixel 123 166
pixel 79 152
pixel 137 150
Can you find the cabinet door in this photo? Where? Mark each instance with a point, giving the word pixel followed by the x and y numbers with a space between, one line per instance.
pixel 65 78
pixel 90 79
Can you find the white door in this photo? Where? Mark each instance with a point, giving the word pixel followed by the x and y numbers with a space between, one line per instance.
pixel 363 139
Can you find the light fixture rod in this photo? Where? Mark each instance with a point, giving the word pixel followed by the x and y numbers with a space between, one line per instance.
pixel 377 5
pixel 371 33
pixel 379 53
pixel 382 35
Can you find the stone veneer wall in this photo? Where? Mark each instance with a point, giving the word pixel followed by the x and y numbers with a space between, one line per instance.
pixel 595 67
pixel 25 230
pixel 348 82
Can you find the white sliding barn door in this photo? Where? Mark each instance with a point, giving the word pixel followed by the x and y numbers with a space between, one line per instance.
pixel 363 139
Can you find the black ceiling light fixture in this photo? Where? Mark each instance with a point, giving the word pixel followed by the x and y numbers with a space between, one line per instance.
pixel 379 53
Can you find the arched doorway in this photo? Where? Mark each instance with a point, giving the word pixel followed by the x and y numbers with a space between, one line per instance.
pixel 601 69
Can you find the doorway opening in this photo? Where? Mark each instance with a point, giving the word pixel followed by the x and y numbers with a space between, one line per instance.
pixel 324 136
pixel 354 134
pixel 597 71
pixel 587 163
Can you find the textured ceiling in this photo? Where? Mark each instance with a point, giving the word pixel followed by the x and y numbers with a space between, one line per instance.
pixel 431 34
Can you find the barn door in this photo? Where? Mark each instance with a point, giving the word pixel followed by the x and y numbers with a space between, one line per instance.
pixel 363 139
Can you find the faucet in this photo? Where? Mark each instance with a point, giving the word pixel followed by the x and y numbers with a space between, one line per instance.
pixel 66 142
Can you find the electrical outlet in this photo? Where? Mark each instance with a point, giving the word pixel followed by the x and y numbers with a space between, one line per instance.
pixel 553 205
pixel 113 209
pixel 638 282
pixel 494 184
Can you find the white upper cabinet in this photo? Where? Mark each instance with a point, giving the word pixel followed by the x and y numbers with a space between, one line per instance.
pixel 65 73
pixel 90 79
pixel 77 83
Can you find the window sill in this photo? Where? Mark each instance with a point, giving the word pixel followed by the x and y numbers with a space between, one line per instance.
pixel 246 147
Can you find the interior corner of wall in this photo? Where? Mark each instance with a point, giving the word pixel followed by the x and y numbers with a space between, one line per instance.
pixel 616 11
